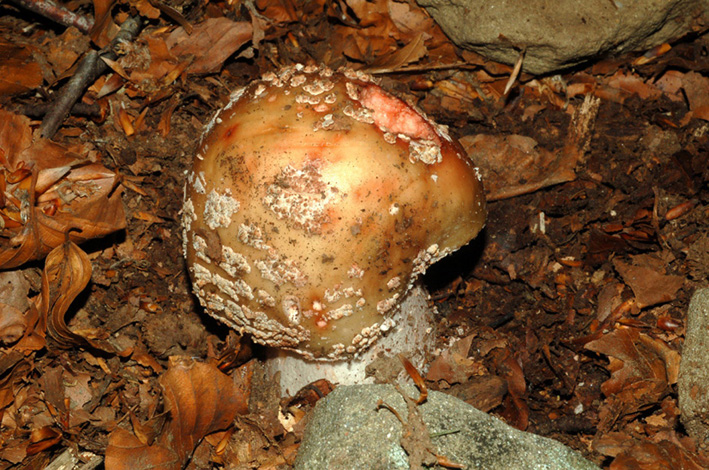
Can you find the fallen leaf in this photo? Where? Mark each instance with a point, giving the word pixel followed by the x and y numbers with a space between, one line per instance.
pixel 127 452
pixel 48 192
pixel 642 370
pixel 515 409
pixel 66 50
pixel 19 71
pixel 623 85
pixel 410 18
pixel 200 400
pixel 67 272
pixel 695 87
pixel 656 456
pixel 14 289
pixel 13 324
pixel 453 365
pixel 646 277
pixel 210 44
pixel 409 54
pixel 104 28
pixel 13 369
pixel 514 164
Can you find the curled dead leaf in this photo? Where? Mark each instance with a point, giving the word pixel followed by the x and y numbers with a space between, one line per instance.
pixel 12 324
pixel 200 399
pixel 642 370
pixel 125 451
pixel 513 165
pixel 67 272
pixel 407 55
pixel 47 191
pixel 14 368
pixel 416 377
pixel 14 289
pixel 210 43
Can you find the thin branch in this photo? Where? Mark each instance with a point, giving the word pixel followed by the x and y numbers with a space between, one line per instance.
pixel 90 68
pixel 57 13
pixel 37 111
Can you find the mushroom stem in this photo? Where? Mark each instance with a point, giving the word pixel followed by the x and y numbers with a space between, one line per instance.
pixel 413 336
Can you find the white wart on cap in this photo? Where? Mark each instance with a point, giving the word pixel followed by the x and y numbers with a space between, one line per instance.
pixel 315 201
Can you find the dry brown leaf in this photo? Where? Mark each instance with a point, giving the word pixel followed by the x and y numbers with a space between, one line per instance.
pixel 640 358
pixel 66 50
pixel 515 411
pixel 14 289
pixel 513 165
pixel 42 439
pixel 210 44
pixel 200 399
pixel 13 324
pixel 408 17
pixel 13 369
pixel 622 85
pixel 104 27
pixel 657 456
pixel 646 277
pixel 453 365
pixel 67 271
pixel 409 54
pixel 19 71
pixel 146 9
pixel 695 86
pixel 47 192
pixel 127 452
pixel 642 370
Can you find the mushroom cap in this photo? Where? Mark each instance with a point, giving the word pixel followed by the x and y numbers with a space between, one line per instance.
pixel 315 200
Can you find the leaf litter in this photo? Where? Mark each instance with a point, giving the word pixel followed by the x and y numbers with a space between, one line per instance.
pixel 567 320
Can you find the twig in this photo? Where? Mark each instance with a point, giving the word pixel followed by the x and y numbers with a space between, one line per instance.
pixel 515 72
pixel 79 109
pixel 90 68
pixel 57 13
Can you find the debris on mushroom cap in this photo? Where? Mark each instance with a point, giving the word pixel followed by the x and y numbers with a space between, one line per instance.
pixel 315 200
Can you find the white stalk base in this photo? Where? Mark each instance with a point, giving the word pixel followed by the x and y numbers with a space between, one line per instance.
pixel 413 336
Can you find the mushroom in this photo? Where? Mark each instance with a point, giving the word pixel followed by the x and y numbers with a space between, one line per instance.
pixel 315 202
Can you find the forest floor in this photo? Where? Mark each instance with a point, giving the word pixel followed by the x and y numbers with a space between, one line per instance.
pixel 565 318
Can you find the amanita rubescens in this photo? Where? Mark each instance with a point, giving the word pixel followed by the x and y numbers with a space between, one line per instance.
pixel 315 202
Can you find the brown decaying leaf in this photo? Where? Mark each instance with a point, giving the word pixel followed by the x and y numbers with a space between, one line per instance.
pixel 416 377
pixel 13 324
pixel 14 369
pixel 453 365
pixel 14 289
pixel 47 192
pixel 67 271
pixel 657 456
pixel 513 165
pixel 646 277
pixel 200 399
pixel 515 411
pixel 104 27
pixel 210 43
pixel 42 439
pixel 642 370
pixel 127 452
pixel 19 71
pixel 695 87
pixel 409 54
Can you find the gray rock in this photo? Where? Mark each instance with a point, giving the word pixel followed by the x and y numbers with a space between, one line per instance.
pixel 558 35
pixel 693 382
pixel 348 431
